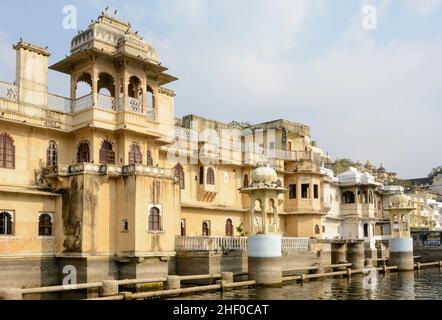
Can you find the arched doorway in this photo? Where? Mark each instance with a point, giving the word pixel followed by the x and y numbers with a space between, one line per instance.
pixel 229 228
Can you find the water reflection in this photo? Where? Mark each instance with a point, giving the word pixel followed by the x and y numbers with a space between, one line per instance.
pixel 426 284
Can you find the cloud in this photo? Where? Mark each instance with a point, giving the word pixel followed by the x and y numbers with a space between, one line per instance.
pixel 363 100
pixel 425 7
pixel 366 95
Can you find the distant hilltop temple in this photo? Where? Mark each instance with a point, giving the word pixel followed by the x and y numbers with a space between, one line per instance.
pixel 380 174
pixel 109 181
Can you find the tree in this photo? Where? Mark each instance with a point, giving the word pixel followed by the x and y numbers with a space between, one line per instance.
pixel 341 165
pixel 435 172
pixel 240 230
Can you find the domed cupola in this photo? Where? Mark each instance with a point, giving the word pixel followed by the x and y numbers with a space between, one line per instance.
pixel 264 174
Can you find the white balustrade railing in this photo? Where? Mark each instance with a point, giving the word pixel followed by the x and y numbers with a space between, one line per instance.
pixel 83 103
pixel 8 92
pixel 233 244
pixel 150 113
pixel 295 244
pixel 60 104
pixel 135 105
pixel 183 134
pixel 106 102
pixel 210 243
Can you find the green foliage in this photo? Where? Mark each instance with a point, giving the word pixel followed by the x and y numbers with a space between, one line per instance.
pixel 341 165
pixel 435 172
pixel 240 230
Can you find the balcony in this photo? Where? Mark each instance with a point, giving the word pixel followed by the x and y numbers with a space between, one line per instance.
pixel 351 209
pixel 286 155
pixel 106 169
pixel 53 111
pixel 106 102
pixel 136 106
pixel 368 210
pixel 8 92
pixel 83 103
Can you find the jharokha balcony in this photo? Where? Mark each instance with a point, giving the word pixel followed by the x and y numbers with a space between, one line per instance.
pixel 91 110
pixel 107 169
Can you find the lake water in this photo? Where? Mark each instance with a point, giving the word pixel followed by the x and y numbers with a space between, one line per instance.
pixel 424 284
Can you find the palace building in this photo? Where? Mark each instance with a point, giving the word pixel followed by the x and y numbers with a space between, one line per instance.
pixel 108 180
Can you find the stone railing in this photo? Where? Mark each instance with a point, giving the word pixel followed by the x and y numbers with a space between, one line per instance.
pixel 147 170
pixel 183 134
pixel 210 243
pixel 83 103
pixel 295 244
pixel 106 102
pixel 135 105
pixel 109 169
pixel 60 104
pixel 233 244
pixel 305 155
pixel 150 113
pixel 8 92
pixel 286 155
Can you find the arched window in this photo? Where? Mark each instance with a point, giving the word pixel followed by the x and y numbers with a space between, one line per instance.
pixel 134 88
pixel 154 219
pixel 83 86
pixel 45 225
pixel 317 229
pixel 365 230
pixel 106 84
pixel 201 175
pixel 7 152
pixel 229 228
pixel 107 154
pixel 179 173
pixel 52 154
pixel 83 153
pixel 149 158
pixel 210 176
pixel 135 156
pixel 246 181
pixel 206 229
pixel 370 197
pixel 348 197
pixel 5 223
pixel 183 227
pixel 150 98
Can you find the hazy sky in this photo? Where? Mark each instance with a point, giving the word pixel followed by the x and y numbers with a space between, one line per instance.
pixel 367 94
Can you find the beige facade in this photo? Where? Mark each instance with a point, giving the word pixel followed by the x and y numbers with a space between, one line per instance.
pixel 106 181
pixel 89 180
pixel 80 177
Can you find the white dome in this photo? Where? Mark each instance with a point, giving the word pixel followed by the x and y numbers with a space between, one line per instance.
pixel 264 174
pixel 353 176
